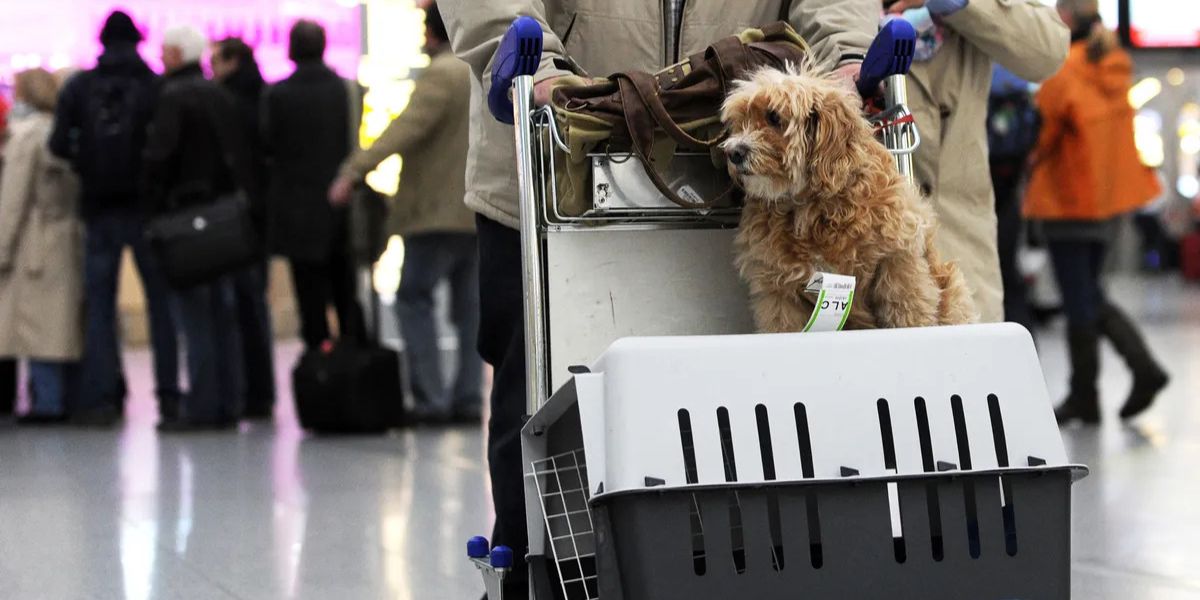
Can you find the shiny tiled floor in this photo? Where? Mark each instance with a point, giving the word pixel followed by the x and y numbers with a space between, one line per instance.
pixel 269 513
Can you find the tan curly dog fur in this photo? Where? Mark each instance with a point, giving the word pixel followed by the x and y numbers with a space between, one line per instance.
pixel 824 195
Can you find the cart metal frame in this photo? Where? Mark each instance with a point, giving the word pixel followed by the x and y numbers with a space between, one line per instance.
pixel 632 255
pixel 700 238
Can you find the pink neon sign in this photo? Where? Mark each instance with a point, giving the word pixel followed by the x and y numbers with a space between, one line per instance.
pixel 61 33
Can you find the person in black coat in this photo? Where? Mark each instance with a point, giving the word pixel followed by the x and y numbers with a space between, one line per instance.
pixel 195 154
pixel 235 68
pixel 308 133
pixel 100 127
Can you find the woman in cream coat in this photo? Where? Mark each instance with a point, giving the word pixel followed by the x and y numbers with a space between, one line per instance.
pixel 41 252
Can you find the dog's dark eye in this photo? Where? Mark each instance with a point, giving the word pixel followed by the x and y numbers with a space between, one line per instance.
pixel 774 120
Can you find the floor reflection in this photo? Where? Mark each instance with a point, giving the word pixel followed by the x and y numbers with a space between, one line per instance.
pixel 288 515
pixel 139 519
pixel 269 513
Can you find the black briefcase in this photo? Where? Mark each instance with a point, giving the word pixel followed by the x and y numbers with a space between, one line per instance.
pixel 198 243
pixel 349 387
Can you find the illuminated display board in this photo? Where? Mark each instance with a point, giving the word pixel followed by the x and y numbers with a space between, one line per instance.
pixel 63 33
pixel 1164 23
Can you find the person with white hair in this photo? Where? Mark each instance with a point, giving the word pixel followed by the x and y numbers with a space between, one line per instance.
pixel 182 46
pixel 196 153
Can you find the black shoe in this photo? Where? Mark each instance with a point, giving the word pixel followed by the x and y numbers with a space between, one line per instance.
pixel 427 415
pixel 168 407
pixel 41 419
pixel 258 413
pixel 1070 411
pixel 100 418
pixel 185 426
pixel 1146 387
pixel 1083 401
pixel 1148 377
pixel 467 416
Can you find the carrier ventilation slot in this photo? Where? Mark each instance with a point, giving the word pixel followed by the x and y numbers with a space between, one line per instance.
pixel 893 492
pixel 699 563
pixel 736 535
pixel 1007 502
pixel 815 550
pixel 768 459
pixel 964 459
pixel 689 446
pixel 931 490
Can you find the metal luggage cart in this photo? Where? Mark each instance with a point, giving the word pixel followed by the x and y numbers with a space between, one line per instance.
pixel 629 500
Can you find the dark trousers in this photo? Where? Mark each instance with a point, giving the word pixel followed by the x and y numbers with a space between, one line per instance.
pixel 430 258
pixel 1006 179
pixel 102 383
pixel 321 283
pixel 254 321
pixel 8 386
pixel 1078 267
pixel 502 344
pixel 208 316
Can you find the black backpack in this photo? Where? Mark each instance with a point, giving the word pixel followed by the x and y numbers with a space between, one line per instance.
pixel 118 108
pixel 1013 125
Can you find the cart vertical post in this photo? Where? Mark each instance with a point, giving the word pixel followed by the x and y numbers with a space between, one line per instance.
pixel 895 93
pixel 536 367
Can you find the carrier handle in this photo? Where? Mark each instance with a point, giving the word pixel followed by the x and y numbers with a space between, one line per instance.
pixel 520 53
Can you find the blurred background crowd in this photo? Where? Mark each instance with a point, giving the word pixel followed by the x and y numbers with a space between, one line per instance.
pixel 110 145
pixel 179 161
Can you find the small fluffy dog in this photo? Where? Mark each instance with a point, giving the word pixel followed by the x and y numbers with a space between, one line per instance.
pixel 824 195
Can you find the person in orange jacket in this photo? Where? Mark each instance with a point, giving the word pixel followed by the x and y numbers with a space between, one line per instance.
pixel 1086 174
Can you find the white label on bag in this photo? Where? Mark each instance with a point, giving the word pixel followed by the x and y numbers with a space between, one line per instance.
pixel 687 193
pixel 835 297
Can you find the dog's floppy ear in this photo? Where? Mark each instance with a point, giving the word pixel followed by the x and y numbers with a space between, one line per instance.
pixel 812 125
pixel 835 142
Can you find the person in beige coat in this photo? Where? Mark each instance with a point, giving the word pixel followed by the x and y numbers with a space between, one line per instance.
pixel 947 92
pixel 41 252
pixel 437 228
pixel 597 38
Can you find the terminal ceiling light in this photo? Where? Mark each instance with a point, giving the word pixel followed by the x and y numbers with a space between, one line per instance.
pixel 1188 186
pixel 1175 77
pixel 385 277
pixel 1190 144
pixel 1144 91
pixel 1147 136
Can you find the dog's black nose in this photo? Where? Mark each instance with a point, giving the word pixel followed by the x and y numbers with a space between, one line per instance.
pixel 737 155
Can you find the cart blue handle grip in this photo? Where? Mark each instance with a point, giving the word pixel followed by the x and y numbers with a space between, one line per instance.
pixel 478 547
pixel 890 54
pixel 502 557
pixel 520 53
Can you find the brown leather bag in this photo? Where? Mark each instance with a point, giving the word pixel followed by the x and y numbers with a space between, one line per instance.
pixel 654 115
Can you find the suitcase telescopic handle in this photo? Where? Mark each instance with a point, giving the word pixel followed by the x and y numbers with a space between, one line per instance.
pixel 890 54
pixel 520 53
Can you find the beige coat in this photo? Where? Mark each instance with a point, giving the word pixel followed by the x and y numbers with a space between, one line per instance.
pixel 41 249
pixel 431 137
pixel 605 36
pixel 948 95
